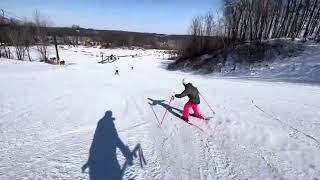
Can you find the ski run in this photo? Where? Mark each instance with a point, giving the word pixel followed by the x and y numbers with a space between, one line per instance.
pixel 81 120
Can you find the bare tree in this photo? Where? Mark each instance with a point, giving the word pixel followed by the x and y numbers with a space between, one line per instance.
pixel 29 39
pixel 41 35
pixel 306 32
pixel 130 40
pixel 271 18
pixel 17 35
pixel 204 32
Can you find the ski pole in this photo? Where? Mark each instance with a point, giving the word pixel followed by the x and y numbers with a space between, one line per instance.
pixel 164 115
pixel 207 104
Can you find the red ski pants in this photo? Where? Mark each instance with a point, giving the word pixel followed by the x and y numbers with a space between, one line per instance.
pixel 194 107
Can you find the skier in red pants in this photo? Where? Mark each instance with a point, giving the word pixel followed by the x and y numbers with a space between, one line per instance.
pixel 194 99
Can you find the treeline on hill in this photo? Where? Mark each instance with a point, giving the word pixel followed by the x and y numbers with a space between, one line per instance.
pixel 250 22
pixel 24 34
pixel 112 38
pixel 71 36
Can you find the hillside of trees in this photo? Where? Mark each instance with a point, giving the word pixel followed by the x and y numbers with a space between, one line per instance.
pixel 72 36
pixel 37 32
pixel 76 35
pixel 244 22
pixel 264 19
pixel 118 38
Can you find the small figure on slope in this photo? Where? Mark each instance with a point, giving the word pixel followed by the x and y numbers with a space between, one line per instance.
pixel 194 99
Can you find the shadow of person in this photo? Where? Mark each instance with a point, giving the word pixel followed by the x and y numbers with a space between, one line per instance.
pixel 102 161
pixel 166 106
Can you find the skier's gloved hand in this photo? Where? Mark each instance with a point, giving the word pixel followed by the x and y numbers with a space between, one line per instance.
pixel 173 94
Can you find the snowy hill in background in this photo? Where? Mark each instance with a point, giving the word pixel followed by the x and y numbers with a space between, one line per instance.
pixel 302 66
pixel 56 121
pixel 283 60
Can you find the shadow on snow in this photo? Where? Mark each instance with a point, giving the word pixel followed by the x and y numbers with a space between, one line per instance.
pixel 166 106
pixel 102 162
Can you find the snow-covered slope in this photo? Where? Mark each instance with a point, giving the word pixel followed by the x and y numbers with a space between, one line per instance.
pixel 276 60
pixel 55 119
pixel 290 61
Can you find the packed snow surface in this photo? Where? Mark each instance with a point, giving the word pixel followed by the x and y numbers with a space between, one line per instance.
pixel 56 121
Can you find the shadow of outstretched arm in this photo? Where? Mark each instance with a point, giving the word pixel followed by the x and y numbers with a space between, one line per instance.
pixel 125 151
pixel 166 106
pixel 142 160
pixel 84 167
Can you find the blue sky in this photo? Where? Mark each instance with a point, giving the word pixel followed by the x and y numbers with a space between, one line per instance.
pixel 158 16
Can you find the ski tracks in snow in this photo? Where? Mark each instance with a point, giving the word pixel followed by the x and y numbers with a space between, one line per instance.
pixel 294 132
pixel 187 152
pixel 51 139
pixel 139 132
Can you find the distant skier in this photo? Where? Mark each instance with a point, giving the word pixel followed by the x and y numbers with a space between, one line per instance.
pixel 112 57
pixel 194 99
pixel 117 72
